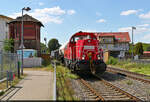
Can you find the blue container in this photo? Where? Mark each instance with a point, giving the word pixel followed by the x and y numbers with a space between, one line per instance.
pixel 27 52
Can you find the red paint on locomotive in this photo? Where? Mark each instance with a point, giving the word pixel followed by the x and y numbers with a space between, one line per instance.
pixel 83 52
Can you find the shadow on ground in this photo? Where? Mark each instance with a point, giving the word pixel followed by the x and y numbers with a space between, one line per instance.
pixel 10 93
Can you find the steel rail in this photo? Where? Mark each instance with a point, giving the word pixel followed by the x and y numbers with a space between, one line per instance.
pixel 123 70
pixel 118 89
pixel 129 74
pixel 98 96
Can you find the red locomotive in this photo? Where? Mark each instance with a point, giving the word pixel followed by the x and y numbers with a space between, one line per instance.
pixel 83 53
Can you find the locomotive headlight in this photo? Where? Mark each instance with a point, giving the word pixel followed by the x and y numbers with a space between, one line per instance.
pixel 83 57
pixel 98 57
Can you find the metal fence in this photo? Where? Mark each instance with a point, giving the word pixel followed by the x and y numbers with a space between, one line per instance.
pixel 8 63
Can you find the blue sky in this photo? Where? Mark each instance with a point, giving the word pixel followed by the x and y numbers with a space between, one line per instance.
pixel 62 18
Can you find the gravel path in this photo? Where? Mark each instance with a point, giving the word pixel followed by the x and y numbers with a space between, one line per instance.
pixel 79 92
pixel 134 87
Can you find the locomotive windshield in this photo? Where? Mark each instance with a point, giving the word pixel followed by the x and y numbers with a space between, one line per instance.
pixel 81 37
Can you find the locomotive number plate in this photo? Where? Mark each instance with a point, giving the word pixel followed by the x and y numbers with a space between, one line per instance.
pixel 89 47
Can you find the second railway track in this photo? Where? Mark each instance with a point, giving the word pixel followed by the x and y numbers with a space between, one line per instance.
pixel 99 89
pixel 133 75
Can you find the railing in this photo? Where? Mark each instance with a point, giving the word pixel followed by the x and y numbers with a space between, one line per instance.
pixel 8 63
pixel 54 89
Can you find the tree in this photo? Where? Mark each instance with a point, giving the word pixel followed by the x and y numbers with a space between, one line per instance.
pixel 9 45
pixel 148 48
pixel 44 49
pixel 139 48
pixel 53 44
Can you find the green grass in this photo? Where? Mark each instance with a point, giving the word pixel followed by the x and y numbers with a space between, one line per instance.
pixel 128 65
pixel 1 93
pixel 129 82
pixel 112 61
pixel 64 88
pixel 43 68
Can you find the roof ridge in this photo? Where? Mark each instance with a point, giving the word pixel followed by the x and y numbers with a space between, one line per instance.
pixel 25 16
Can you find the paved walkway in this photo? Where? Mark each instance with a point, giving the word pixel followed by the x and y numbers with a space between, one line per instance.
pixel 38 85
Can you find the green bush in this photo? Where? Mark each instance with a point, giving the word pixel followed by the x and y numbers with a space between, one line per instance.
pixel 1 93
pixel 112 61
pixel 46 62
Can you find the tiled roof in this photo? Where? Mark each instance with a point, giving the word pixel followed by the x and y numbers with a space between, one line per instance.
pixel 26 18
pixel 2 16
pixel 146 52
pixel 120 36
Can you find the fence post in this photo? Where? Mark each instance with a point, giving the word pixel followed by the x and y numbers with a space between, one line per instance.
pixel 7 78
pixel 18 68
pixel 54 81
pixel 2 64
pixel 1 75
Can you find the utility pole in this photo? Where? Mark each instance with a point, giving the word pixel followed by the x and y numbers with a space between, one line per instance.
pixel 132 42
pixel 45 39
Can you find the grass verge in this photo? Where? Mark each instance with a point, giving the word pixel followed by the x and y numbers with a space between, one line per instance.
pixel 64 87
pixel 43 68
pixel 131 66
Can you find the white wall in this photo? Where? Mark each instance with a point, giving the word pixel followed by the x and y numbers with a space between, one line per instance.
pixel 4 31
pixel 32 62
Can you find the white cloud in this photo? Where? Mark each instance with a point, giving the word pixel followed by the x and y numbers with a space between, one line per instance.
pixel 143 25
pixel 101 21
pixel 124 29
pixel 98 14
pixel 52 11
pixel 146 37
pixel 88 30
pixel 14 15
pixel 129 12
pixel 138 30
pixel 71 12
pixel 46 15
pixel 145 16
pixel 41 3
pixel 45 19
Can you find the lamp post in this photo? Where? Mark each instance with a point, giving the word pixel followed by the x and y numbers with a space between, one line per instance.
pixel 45 43
pixel 132 41
pixel 21 45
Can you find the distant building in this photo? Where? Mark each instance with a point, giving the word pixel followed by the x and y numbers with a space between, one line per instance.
pixel 116 42
pixel 31 33
pixel 146 52
pixel 4 29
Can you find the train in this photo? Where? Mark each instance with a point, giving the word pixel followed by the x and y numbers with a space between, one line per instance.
pixel 82 53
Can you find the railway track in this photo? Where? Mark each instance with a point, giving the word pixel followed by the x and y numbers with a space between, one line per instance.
pixel 105 91
pixel 133 75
